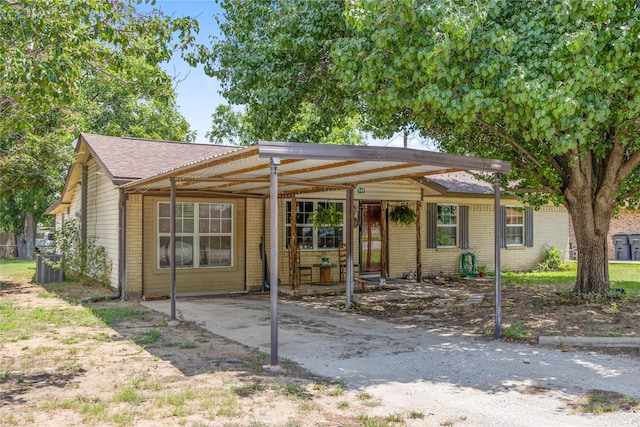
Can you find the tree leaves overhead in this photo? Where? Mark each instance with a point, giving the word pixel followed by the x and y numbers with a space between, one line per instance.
pixel 546 80
pixel 90 65
pixel 551 86
pixel 48 46
pixel 274 60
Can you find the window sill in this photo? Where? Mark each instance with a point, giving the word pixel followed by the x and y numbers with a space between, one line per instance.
pixel 448 249
pixel 516 248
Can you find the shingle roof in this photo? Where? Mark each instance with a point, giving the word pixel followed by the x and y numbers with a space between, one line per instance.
pixel 462 182
pixel 128 159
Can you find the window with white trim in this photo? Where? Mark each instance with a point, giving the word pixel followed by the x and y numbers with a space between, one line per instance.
pixel 447 226
pixel 204 235
pixel 308 237
pixel 514 226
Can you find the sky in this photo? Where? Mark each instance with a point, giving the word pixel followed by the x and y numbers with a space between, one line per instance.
pixel 198 94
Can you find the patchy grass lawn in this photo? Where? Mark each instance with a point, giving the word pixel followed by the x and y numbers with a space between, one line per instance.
pixel 118 363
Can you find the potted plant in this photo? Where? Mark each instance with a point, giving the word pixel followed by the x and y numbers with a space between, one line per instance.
pixel 323 257
pixel 402 214
pixel 326 216
pixel 482 270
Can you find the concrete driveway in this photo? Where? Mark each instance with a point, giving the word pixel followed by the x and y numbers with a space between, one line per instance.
pixel 474 381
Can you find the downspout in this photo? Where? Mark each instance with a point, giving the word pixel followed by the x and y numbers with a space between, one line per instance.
pixel 122 262
pixel 264 242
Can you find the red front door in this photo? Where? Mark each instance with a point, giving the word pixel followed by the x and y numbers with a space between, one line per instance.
pixel 370 239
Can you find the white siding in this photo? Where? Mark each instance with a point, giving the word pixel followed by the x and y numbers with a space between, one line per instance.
pixel 102 214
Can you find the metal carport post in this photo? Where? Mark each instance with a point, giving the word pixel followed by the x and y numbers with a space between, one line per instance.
pixel 497 234
pixel 273 246
pixel 349 248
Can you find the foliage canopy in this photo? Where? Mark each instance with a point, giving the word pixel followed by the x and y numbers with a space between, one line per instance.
pixel 71 66
pixel 553 87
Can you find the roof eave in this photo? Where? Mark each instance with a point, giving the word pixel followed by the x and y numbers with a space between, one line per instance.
pixel 296 150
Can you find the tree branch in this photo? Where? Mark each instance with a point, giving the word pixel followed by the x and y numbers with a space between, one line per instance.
pixel 629 166
pixel 629 195
pixel 556 166
pixel 507 138
pixel 544 190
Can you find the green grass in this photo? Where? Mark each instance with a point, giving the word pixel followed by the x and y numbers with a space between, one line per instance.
pixel 625 276
pixel 599 402
pixel 111 315
pixel 128 394
pixel 20 323
pixel 17 268
pixel 147 338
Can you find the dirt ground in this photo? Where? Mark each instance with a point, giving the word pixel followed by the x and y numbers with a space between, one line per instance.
pixel 528 312
pixel 139 369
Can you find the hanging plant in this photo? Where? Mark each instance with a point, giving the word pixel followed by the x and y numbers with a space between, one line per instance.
pixel 402 214
pixel 329 216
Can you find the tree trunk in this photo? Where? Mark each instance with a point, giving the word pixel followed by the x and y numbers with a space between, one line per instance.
pixel 591 212
pixel 593 274
pixel 30 236
pixel 21 246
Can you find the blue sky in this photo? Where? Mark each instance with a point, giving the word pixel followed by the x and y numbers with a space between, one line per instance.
pixel 197 94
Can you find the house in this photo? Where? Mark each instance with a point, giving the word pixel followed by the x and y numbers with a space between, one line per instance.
pixel 92 193
pixel 125 191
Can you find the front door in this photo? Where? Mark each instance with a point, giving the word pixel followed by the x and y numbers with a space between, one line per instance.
pixel 370 238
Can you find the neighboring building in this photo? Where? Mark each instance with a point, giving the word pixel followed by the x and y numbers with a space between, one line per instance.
pixel 626 222
pixel 222 214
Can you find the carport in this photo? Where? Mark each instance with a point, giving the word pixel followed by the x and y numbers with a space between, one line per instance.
pixel 285 169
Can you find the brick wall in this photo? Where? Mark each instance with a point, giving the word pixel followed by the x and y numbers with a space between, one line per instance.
pixel 551 228
pixel 133 255
pixel 626 222
pixel 254 233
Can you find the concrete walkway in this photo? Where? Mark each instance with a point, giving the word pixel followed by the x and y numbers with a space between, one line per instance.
pixel 474 381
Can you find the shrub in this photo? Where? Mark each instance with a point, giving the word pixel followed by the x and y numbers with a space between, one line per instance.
pixel 552 261
pixel 82 261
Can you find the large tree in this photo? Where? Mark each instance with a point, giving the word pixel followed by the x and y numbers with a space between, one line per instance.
pixel 551 86
pixel 111 105
pixel 235 127
pixel 273 59
pixel 70 66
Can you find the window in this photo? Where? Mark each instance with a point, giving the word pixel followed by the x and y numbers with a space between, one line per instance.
pixel 205 229
pixel 447 226
pixel 514 226
pixel 307 236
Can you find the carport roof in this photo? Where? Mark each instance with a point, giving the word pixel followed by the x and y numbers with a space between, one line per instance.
pixel 306 168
